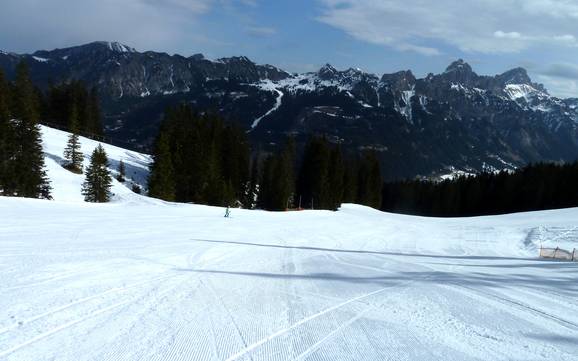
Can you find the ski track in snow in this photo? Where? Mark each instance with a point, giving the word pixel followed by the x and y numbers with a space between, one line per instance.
pixel 278 102
pixel 142 279
pixel 375 293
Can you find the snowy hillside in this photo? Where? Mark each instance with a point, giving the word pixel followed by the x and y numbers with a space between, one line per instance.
pixel 66 185
pixel 140 279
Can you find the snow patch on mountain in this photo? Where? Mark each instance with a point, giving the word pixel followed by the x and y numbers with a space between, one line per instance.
pixel 268 85
pixel 517 91
pixel 119 48
pixel 39 59
pixel 403 106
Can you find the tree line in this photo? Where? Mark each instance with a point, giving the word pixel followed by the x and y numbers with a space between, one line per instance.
pixel 534 187
pixel 70 106
pixel 323 178
pixel 202 159
pixel 198 158
pixel 72 102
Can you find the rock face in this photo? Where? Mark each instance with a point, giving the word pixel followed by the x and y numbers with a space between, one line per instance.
pixel 454 121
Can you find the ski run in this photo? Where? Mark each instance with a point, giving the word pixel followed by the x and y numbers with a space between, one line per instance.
pixel 142 279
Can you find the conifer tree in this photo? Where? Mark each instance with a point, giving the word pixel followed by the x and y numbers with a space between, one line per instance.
pixel 29 174
pixel 350 182
pixel 336 177
pixel 93 121
pixel 96 186
pixel 136 188
pixel 6 139
pixel 72 152
pixel 370 181
pixel 267 180
pixel 252 187
pixel 199 159
pixel 62 98
pixel 121 177
pixel 313 184
pixel 161 179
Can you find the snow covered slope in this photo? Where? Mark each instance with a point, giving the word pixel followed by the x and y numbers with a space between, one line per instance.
pixel 140 279
pixel 67 186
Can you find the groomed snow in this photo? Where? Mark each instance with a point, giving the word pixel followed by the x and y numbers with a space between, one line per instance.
pixel 141 279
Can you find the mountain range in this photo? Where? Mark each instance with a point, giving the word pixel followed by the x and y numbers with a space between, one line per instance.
pixel 456 121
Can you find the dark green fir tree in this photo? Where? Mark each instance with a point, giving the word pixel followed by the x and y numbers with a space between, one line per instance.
pixel 96 187
pixel 72 153
pixel 161 179
pixel 29 173
pixel 121 177
pixel 6 140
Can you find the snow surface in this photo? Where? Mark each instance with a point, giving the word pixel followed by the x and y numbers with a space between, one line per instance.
pixel 142 279
pixel 66 185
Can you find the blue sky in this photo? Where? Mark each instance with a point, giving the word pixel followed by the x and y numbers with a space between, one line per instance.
pixel 378 36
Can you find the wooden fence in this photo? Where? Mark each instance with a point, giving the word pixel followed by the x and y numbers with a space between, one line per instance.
pixel 558 253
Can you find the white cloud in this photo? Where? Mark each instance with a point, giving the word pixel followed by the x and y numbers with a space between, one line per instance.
pixel 485 26
pixel 560 87
pixel 561 70
pixel 144 24
pixel 561 79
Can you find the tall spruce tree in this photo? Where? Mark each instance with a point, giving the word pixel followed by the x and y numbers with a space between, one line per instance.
pixel 370 181
pixel 336 175
pixel 72 153
pixel 96 186
pixel 94 117
pixel 29 173
pixel 6 140
pixel 162 179
pixel 313 183
pixel 350 188
pixel 121 177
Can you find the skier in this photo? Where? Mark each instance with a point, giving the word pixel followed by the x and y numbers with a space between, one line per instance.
pixel 227 212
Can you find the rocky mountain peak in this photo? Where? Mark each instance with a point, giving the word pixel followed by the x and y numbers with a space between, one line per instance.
pixel 197 57
pixel 242 60
pixel 401 80
pixel 459 66
pixel 515 76
pixel 459 72
pixel 327 72
pixel 113 46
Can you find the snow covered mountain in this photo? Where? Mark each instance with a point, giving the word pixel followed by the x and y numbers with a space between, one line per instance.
pixel 456 120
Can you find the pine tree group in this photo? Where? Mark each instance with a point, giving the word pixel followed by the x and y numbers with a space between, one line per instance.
pixel 66 100
pixel 534 187
pixel 96 187
pixel 199 158
pixel 325 180
pixel 277 185
pixel 22 170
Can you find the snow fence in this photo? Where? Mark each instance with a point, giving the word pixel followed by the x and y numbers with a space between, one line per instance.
pixel 558 253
